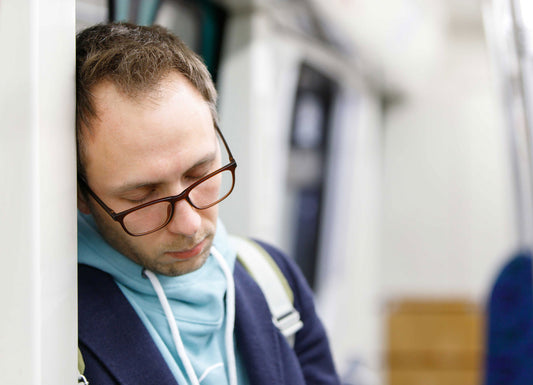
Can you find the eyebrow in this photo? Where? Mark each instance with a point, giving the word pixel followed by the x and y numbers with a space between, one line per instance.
pixel 132 186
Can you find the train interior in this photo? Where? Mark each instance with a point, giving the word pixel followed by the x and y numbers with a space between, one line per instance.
pixel 384 145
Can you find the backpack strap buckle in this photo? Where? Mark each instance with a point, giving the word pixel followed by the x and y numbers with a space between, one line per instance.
pixel 289 323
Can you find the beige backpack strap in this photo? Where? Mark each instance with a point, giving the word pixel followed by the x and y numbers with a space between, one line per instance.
pixel 264 270
pixel 81 369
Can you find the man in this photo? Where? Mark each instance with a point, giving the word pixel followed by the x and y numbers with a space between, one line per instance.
pixel 162 299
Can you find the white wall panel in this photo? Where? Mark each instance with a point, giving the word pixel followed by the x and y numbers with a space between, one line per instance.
pixel 37 159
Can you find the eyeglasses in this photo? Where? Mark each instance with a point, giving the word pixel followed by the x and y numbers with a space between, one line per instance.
pixel 154 215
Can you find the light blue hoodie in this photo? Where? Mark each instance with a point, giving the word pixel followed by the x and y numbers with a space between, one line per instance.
pixel 197 301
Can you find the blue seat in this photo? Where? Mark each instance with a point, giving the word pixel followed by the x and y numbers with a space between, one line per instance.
pixel 509 355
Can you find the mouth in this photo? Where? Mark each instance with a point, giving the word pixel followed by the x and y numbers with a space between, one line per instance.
pixel 188 254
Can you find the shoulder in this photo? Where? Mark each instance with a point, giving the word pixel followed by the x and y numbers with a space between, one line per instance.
pixel 291 272
pixel 94 284
pixel 312 345
pixel 97 292
pixel 287 270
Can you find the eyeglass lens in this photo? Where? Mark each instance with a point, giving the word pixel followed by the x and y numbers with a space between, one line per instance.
pixel 204 195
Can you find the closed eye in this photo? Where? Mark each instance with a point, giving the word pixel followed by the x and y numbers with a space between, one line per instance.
pixel 194 178
pixel 142 197
pixel 199 172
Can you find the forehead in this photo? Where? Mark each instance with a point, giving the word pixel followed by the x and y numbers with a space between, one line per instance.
pixel 155 133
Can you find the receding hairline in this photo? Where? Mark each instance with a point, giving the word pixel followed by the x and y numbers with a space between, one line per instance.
pixel 152 95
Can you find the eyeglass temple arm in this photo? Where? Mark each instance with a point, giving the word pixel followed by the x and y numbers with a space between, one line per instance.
pixel 85 185
pixel 225 143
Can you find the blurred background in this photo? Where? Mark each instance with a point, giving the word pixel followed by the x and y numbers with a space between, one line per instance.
pixel 385 145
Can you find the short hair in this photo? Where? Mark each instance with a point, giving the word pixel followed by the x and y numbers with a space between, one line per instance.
pixel 135 59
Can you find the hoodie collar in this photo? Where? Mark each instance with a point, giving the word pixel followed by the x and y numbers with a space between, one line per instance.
pixel 201 288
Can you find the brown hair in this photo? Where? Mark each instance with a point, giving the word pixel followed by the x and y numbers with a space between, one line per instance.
pixel 135 59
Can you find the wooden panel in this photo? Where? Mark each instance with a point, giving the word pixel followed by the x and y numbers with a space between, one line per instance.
pixel 434 343
pixel 433 377
pixel 447 325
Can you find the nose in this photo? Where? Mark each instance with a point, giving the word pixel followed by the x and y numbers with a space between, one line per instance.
pixel 186 220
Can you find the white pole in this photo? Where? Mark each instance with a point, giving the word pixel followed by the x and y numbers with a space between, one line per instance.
pixel 37 194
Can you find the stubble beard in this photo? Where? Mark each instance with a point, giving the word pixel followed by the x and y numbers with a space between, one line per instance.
pixel 117 238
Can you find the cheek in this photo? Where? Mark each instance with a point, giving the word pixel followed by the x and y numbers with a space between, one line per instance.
pixel 211 214
pixel 140 246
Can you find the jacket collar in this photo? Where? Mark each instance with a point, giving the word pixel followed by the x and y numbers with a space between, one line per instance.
pixel 102 303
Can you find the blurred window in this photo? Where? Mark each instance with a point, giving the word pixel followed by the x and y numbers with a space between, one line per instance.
pixel 311 128
pixel 199 23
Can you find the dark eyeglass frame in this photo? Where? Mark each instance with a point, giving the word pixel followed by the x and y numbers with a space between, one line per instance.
pixel 119 217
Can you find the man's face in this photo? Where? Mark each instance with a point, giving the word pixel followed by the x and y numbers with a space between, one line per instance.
pixel 149 148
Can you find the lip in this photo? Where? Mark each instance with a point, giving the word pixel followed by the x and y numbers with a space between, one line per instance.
pixel 187 254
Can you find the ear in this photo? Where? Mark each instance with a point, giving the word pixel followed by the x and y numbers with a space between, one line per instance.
pixel 82 202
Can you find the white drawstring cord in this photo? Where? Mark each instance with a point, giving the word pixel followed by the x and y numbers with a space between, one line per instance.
pixel 173 326
pixel 209 370
pixel 230 321
pixel 230 316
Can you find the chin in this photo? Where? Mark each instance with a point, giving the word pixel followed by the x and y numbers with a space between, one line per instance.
pixel 181 267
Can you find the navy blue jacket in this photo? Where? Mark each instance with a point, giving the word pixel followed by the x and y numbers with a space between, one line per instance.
pixel 117 348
